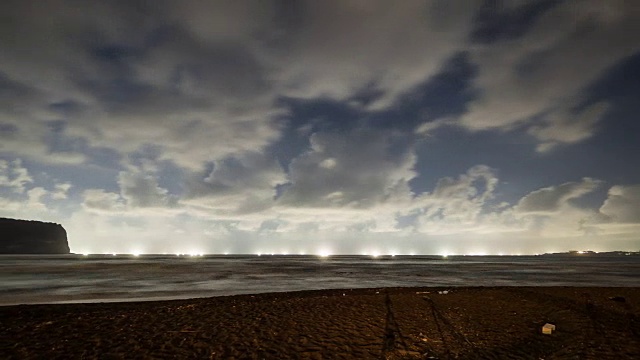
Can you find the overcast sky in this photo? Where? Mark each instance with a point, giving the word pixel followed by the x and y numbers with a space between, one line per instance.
pixel 459 127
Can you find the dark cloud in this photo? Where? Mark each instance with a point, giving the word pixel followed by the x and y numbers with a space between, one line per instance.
pixel 100 200
pixel 354 169
pixel 617 85
pixel 236 184
pixel 66 108
pixel 445 94
pixel 13 92
pixel 537 80
pixel 142 190
pixel 442 95
pixel 7 130
pixel 237 174
pixel 506 20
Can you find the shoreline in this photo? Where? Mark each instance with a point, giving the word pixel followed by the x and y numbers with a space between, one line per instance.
pixel 373 323
pixel 67 300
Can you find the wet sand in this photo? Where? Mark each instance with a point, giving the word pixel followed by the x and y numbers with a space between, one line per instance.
pixel 405 323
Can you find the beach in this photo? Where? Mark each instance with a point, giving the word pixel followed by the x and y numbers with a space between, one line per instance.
pixel 380 323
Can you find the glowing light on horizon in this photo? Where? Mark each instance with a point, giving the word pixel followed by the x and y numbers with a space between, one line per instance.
pixel 479 253
pixel 324 253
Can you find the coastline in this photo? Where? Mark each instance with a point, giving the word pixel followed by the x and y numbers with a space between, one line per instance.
pixel 411 323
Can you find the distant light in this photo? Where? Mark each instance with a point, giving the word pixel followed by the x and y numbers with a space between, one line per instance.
pixel 445 255
pixel 114 254
pixel 324 253
pixel 136 254
pixel 85 254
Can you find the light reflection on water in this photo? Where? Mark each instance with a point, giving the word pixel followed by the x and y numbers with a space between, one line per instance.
pixel 77 278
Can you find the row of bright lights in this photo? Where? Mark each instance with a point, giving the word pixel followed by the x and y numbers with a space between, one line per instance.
pixel 322 254
pixel 327 252
pixel 136 254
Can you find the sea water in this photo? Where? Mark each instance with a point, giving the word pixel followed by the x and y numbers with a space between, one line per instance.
pixel 96 278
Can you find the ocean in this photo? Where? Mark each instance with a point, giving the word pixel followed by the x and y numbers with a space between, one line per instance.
pixel 31 279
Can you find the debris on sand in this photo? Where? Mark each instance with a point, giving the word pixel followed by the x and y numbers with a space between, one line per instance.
pixel 548 328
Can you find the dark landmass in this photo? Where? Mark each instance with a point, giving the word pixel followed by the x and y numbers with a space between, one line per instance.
pixel 394 323
pixel 32 237
pixel 595 253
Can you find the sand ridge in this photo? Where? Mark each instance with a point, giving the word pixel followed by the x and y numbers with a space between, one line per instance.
pixel 396 323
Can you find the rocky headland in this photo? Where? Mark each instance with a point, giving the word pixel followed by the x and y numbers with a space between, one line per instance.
pixel 32 237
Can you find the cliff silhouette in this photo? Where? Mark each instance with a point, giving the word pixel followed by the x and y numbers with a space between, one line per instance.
pixel 32 237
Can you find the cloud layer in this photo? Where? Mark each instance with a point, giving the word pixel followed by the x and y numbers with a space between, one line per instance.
pixel 263 126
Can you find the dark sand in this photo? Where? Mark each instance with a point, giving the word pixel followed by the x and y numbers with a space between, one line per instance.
pixel 408 323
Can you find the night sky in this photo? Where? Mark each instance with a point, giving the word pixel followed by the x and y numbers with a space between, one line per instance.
pixel 323 127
